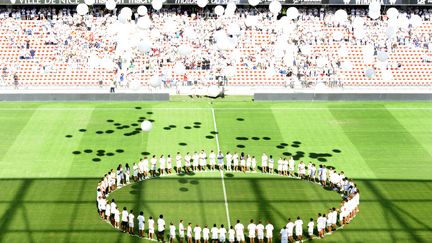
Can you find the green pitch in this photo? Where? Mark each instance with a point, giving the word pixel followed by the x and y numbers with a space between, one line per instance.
pixel 53 154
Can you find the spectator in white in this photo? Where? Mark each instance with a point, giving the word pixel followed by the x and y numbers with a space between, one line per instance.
pixel 161 228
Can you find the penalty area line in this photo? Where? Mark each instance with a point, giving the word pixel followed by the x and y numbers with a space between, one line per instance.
pixel 221 172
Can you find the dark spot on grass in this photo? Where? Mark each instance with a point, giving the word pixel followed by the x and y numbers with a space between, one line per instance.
pixel 134 124
pixel 87 151
pixel 109 120
pixel 149 112
pixel 138 129
pixel 142 117
pixel 167 128
pixel 127 134
pixel 117 124
pixel 99 132
pixel 295 145
pixel 145 153
pixel 336 150
pixel 100 154
pixel 76 152
pixel 172 126
pixel 187 127
pixel 287 153
pixel 296 142
pixel 242 138
pixel 197 123
pixel 182 144
pixel 82 130
pixel 240 146
pixel 283 144
pixel 138 108
pixel 125 126
pixel 255 138
pixel 120 128
pixel 134 192
pixel 240 119
pixel 183 189
pixel 280 147
pixel 119 151
pixel 151 120
pixel 68 136
pixel 196 126
pixel 266 138
pixel 191 173
pixel 209 137
pixel 183 181
pixel 109 131
pixel 110 154
pixel 322 159
pixel 213 132
pixel 96 159
pixel 101 151
pixel 140 120
pixel 194 182
pixel 229 175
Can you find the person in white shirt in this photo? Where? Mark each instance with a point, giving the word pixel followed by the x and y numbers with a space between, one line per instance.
pixel 284 235
pixel 141 170
pixel 187 159
pixel 235 161
pixel 321 221
pixel 248 162
pixel 141 223
pixel 195 158
pixel 162 162
pixel 220 159
pixel 212 160
pixel 172 232
pixel 310 228
pixel 206 234
pixel 197 232
pixel 253 164
pixel 260 232
pixel 124 222
pixel 107 212
pixel 271 164
pixel 264 163
pixel 252 231
pixel 189 233
pixel 181 230
pixel 153 162
pixel 116 217
pixel 131 218
pixel 228 161
pixel 151 228
pixel 161 228
pixel 291 163
pixel 290 230
pixel 299 228
pixel 169 164
pixel 146 168
pixel 269 232
pixel 231 235
pixel 215 234
pixel 178 163
pixel 203 161
pixel 222 234
pixel 301 169
pixel 329 221
pixel 239 228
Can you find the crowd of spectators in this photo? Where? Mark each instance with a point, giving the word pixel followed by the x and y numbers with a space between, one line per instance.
pixel 97 40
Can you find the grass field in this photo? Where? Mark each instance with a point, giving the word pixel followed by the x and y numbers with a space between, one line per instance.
pixel 53 154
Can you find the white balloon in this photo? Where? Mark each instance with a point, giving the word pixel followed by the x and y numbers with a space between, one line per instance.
pixel 340 16
pixel 144 23
pixel 251 20
pixel 146 126
pixel 170 26
pixel 179 68
pixel 370 72
pixel 219 10
pixel 321 62
pixel 306 50
pixel 230 71
pixel 358 22
pixel 275 7
pixel 233 29
pixel 110 5
pixel 416 21
pixel 89 2
pixel 359 33
pixel 155 81
pixel 343 51
pixel 392 13
pixel 270 72
pixel 126 11
pixel 202 3
pixel 382 56
pixel 157 4
pixel 374 14
pixel 337 35
pixel 375 6
pixel 135 85
pixel 279 52
pixel 190 33
pixel 253 3
pixel 144 46
pixel 403 22
pixel 390 31
pixel 82 9
pixel 213 91
pixel 292 13
pixel 142 10
pixel 347 65
pixel 184 50
pixel 231 6
pixel 387 75
pixel 122 18
pixel 229 11
pixel 368 50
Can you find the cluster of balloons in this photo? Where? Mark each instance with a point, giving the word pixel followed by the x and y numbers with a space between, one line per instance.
pixel 374 10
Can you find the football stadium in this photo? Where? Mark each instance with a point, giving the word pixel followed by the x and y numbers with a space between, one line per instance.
pixel 215 121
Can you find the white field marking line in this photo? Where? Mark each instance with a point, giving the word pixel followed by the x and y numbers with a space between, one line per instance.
pixel 208 108
pixel 221 172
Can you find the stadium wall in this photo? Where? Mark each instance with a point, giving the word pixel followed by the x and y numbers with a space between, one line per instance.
pixel 342 97
pixel 86 97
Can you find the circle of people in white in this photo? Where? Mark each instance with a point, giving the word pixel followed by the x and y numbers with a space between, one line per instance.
pixel 325 224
